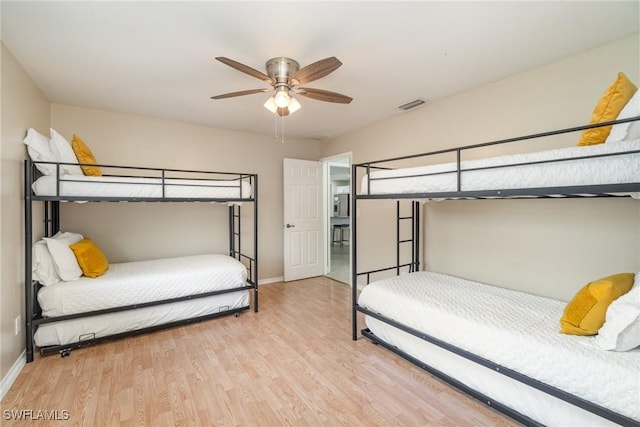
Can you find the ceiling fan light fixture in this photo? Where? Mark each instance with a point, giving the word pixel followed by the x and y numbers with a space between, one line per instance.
pixel 271 105
pixel 282 97
pixel 294 105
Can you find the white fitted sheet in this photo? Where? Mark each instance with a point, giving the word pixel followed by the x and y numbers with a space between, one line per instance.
pixel 71 331
pixel 108 186
pixel 617 169
pixel 517 330
pixel 143 281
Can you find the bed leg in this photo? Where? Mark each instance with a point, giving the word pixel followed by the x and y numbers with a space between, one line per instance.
pixel 65 352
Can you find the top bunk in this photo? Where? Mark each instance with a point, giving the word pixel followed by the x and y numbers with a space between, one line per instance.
pixel 59 170
pixel 603 169
pixel 138 184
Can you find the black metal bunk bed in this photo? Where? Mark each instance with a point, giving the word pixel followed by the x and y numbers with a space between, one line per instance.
pixel 411 215
pixel 166 182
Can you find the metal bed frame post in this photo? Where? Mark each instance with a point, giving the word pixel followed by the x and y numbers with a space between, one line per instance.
pixel 416 237
pixel 398 241
pixel 354 256
pixel 28 279
pixel 51 224
pixel 255 243
pixel 232 240
pixel 55 217
pixel 239 232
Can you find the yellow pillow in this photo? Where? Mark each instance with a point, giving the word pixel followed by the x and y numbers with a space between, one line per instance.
pixel 611 103
pixel 585 313
pixel 90 258
pixel 84 155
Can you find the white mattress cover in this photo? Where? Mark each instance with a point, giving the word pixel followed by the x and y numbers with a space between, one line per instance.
pixel 514 329
pixel 70 331
pixel 617 169
pixel 143 281
pixel 108 186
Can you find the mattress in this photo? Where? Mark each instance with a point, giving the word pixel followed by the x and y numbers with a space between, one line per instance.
pixel 71 331
pixel 140 187
pixel 143 281
pixel 565 168
pixel 516 330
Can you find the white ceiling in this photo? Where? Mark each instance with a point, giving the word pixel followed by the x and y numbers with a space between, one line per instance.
pixel 157 58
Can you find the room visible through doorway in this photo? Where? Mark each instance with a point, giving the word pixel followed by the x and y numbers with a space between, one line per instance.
pixel 338 217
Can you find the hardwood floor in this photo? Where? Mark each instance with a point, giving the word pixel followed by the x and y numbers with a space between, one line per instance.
pixel 293 363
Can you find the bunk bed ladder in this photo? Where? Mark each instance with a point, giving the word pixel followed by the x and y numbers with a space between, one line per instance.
pixel 234 232
pixel 235 244
pixel 51 218
pixel 414 240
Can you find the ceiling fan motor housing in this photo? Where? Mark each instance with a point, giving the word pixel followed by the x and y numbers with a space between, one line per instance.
pixel 281 69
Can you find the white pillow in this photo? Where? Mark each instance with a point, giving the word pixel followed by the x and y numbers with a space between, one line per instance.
pixel 634 131
pixel 621 329
pixel 40 151
pixel 43 267
pixel 66 263
pixel 64 154
pixel 620 132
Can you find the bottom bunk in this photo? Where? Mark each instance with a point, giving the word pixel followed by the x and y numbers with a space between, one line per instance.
pixel 503 347
pixel 135 297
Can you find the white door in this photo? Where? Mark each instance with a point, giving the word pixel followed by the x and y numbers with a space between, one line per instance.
pixel 303 254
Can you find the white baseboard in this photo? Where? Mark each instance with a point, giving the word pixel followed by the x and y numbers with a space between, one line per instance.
pixel 270 280
pixel 13 373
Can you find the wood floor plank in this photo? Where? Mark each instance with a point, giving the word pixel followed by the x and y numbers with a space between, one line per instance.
pixel 291 364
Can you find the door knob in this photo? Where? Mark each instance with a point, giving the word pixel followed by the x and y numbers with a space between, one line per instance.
pixel 289 225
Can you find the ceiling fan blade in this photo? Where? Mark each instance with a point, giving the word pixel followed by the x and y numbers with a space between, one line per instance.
pixel 316 70
pixel 245 69
pixel 323 95
pixel 241 93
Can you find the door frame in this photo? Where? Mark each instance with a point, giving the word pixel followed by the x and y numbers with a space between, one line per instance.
pixel 327 204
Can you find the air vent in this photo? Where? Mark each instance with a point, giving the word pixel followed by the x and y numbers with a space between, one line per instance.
pixel 412 104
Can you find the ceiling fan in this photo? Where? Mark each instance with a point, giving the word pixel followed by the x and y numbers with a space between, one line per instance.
pixel 285 75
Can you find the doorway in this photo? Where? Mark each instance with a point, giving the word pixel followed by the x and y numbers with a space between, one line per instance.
pixel 337 217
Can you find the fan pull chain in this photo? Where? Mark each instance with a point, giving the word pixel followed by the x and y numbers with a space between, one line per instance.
pixel 275 127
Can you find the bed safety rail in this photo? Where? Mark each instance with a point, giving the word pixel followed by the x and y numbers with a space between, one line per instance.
pixel 460 192
pixel 161 183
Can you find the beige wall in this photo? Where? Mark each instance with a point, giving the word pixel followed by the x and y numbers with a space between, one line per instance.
pixel 151 230
pixel 544 247
pixel 23 106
